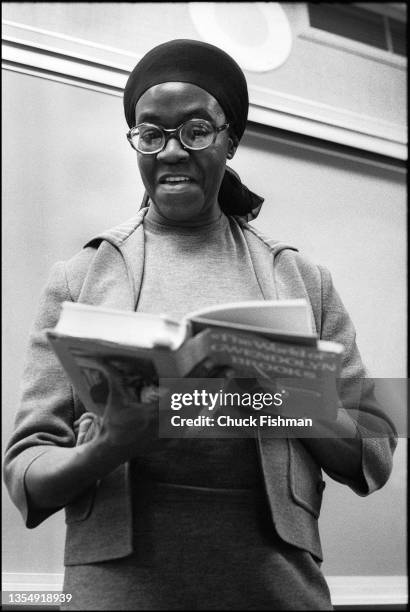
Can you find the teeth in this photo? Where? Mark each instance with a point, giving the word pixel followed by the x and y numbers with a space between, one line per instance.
pixel 176 179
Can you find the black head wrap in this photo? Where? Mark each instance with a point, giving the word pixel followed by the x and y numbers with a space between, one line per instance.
pixel 193 61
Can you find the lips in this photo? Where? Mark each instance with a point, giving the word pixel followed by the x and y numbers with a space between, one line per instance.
pixel 175 179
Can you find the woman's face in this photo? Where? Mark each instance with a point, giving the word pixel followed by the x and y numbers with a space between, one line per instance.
pixel 193 201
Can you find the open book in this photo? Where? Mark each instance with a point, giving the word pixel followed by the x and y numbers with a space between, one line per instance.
pixel 264 340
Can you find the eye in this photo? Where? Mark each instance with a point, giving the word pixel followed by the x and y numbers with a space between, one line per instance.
pixel 197 132
pixel 149 135
pixel 199 129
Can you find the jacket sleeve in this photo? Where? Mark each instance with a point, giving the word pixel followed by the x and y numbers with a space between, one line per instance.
pixel 46 413
pixel 376 431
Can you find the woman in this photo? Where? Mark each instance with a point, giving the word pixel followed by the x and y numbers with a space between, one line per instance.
pixel 187 524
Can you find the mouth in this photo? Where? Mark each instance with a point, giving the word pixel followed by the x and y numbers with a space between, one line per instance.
pixel 175 179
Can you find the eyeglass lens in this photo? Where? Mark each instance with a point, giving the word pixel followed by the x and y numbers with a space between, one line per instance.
pixel 194 134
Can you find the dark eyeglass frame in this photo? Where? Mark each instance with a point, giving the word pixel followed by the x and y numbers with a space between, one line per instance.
pixel 170 132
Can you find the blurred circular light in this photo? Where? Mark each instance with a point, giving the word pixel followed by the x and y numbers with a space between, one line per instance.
pixel 256 34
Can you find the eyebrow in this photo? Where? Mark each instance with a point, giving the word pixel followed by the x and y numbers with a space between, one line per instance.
pixel 199 112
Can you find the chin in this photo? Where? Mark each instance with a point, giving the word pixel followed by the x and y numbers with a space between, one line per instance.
pixel 177 209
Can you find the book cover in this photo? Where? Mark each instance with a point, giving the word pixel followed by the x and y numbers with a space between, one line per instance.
pixel 306 374
pixel 87 362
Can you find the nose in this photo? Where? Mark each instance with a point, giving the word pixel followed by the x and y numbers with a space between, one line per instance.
pixel 173 151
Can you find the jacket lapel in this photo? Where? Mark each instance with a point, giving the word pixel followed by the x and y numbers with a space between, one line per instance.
pixel 133 253
pixel 115 275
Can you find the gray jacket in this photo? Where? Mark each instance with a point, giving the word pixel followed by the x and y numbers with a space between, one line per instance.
pixel 108 271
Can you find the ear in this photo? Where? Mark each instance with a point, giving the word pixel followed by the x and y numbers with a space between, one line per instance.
pixel 232 146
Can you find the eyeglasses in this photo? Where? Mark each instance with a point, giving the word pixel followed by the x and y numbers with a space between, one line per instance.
pixel 194 134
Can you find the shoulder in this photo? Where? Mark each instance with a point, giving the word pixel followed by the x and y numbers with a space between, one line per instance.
pixel 103 246
pixel 75 269
pixel 254 236
pixel 287 258
pixel 295 263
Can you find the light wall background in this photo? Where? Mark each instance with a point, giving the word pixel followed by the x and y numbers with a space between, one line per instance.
pixel 68 173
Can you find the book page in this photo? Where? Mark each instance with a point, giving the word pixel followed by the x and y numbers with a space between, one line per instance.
pixel 290 316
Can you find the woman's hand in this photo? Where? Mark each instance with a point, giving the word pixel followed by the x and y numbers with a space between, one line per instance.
pixel 128 424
